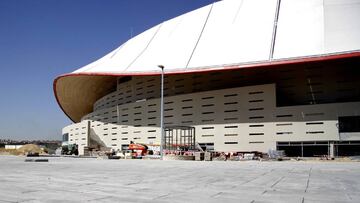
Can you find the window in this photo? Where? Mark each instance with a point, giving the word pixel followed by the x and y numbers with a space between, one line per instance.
pixel 284 133
pixel 314 123
pixel 256 117
pixel 230 111
pixel 256 125
pixel 254 134
pixel 284 116
pixel 283 124
pixel 314 132
pixel 65 137
pixel 230 95
pixel 205 98
pixel 230 103
pixel 230 135
pixel 186 100
pixel 256 100
pixel 258 92
pixel 230 142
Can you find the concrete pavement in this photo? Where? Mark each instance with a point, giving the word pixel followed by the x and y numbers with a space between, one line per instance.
pixel 97 180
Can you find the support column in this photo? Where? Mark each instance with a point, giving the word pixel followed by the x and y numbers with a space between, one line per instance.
pixel 332 150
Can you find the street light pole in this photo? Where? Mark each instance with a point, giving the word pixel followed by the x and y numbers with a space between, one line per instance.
pixel 162 112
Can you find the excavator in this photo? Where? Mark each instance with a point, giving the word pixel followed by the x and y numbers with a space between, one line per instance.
pixel 138 150
pixel 70 149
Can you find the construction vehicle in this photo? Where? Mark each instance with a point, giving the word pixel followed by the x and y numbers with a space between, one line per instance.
pixel 70 149
pixel 138 150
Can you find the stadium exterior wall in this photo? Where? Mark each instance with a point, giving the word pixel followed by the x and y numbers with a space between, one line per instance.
pixel 245 118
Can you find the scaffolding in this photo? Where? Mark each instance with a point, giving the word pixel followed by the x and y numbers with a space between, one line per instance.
pixel 179 138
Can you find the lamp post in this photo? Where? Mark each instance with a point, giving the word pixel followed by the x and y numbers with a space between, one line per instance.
pixel 162 112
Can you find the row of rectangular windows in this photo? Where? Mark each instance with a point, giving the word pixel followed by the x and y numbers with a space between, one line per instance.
pixel 206 105
pixel 205 120
pixel 103 104
pixel 258 133
pixel 256 142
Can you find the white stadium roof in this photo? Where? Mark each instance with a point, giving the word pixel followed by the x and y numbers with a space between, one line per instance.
pixel 225 34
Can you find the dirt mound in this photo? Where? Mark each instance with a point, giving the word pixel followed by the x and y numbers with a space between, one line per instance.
pixel 30 148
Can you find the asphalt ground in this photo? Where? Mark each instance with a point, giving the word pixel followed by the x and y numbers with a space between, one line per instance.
pixel 100 180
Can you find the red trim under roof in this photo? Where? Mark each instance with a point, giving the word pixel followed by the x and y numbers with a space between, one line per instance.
pixel 266 64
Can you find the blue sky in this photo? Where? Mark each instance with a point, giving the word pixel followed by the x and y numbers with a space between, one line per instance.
pixel 41 39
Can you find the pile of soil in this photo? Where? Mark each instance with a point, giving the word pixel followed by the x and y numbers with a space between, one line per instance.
pixel 30 148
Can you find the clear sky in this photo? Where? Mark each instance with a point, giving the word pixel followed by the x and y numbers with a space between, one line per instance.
pixel 41 39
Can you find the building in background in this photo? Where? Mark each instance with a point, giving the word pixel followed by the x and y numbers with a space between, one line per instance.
pixel 13 146
pixel 248 75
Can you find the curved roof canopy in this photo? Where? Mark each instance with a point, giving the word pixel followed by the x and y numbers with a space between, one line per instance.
pixel 225 34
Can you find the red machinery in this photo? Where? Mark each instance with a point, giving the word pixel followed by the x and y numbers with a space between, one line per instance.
pixel 138 150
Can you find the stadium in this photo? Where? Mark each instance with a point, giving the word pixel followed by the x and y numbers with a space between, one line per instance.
pixel 250 75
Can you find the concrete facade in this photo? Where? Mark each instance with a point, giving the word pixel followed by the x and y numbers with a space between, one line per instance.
pixel 233 119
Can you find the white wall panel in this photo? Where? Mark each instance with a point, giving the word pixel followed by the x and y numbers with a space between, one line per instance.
pixel 99 62
pixel 342 25
pixel 120 59
pixel 237 31
pixel 300 30
pixel 174 43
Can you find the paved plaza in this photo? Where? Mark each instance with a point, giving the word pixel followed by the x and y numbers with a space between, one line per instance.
pixel 98 180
